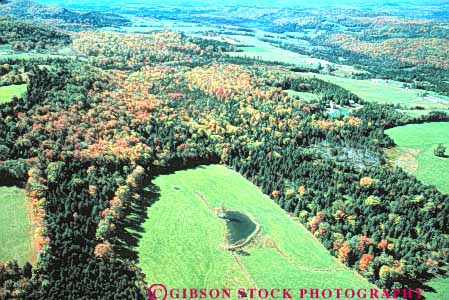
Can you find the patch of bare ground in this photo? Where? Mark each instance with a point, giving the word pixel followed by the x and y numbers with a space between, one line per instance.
pixel 404 158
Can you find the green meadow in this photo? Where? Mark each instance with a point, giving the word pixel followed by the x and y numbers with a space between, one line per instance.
pixel 303 95
pixel 389 92
pixel 268 52
pixel 15 226
pixel 421 112
pixel 441 288
pixel 414 151
pixel 7 92
pixel 182 243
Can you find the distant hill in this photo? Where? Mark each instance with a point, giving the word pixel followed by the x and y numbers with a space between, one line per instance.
pixel 26 9
pixel 256 3
pixel 428 9
pixel 25 35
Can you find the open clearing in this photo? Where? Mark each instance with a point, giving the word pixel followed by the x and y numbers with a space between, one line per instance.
pixel 390 92
pixel 420 113
pixel 183 240
pixel 7 92
pixel 417 142
pixel 441 287
pixel 15 226
pixel 303 95
pixel 265 51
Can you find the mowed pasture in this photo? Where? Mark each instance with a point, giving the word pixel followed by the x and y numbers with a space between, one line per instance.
pixel 415 146
pixel 303 95
pixel 182 243
pixel 15 226
pixel 440 285
pixel 388 92
pixel 258 49
pixel 9 91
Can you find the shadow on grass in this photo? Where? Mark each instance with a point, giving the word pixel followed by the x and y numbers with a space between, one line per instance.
pixel 423 283
pixel 130 229
pixel 9 181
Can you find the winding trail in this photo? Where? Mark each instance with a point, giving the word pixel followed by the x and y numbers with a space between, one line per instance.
pixel 204 200
pixel 244 270
pixel 304 267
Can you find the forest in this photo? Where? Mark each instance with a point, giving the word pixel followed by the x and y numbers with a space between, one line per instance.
pixel 93 130
pixel 30 35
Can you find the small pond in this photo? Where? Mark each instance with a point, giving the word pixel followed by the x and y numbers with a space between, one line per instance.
pixel 240 226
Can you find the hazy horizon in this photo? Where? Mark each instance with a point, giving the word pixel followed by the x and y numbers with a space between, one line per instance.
pixel 256 3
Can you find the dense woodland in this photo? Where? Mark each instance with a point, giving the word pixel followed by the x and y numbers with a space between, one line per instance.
pixel 30 35
pixel 90 134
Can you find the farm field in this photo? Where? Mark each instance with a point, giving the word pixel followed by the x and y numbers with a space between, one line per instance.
pixel 421 112
pixel 183 236
pixel 265 51
pixel 7 92
pixel 389 92
pixel 416 143
pixel 303 95
pixel 441 287
pixel 15 226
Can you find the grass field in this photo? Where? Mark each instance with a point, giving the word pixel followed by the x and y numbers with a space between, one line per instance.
pixel 182 238
pixel 266 51
pixel 15 226
pixel 441 287
pixel 419 112
pixel 303 95
pixel 7 92
pixel 416 143
pixel 390 92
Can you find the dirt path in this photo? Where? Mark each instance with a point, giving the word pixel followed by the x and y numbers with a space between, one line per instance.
pixel 298 265
pixel 204 200
pixel 244 270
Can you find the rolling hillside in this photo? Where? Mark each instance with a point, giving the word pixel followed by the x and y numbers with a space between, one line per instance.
pixel 182 235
